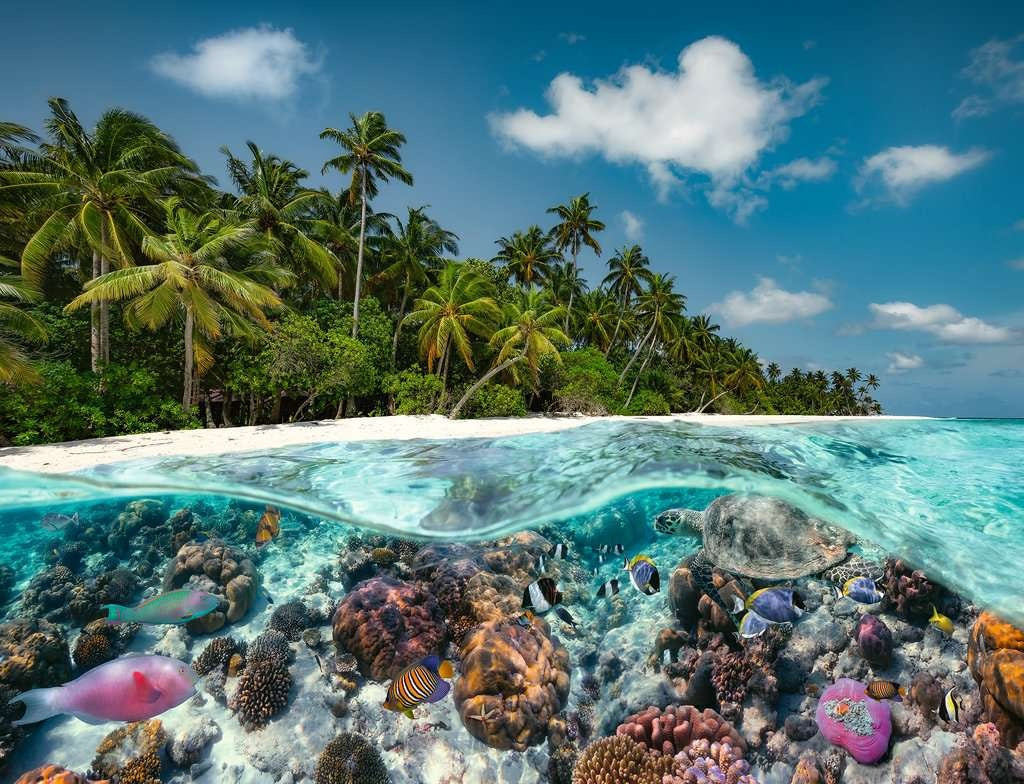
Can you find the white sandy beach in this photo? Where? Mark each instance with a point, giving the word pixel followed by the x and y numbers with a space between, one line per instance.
pixel 77 455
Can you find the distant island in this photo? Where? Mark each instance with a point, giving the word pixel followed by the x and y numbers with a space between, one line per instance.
pixel 136 296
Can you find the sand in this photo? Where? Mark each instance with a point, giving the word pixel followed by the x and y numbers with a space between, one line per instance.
pixel 78 455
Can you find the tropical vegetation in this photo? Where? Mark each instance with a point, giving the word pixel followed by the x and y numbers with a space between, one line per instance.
pixel 136 295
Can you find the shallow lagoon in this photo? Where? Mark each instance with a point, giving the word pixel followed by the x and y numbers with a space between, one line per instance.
pixel 460 526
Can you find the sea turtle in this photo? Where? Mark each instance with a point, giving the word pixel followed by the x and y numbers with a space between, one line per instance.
pixel 854 566
pixel 760 537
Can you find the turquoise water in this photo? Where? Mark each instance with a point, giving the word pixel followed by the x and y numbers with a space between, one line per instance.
pixel 947 495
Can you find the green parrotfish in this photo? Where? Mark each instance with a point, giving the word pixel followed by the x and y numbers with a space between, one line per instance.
pixel 175 607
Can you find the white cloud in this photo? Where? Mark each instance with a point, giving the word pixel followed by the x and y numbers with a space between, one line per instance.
pixel 944 321
pixel 993 68
pixel 538 57
pixel 1017 264
pixel 901 363
pixel 788 175
pixel 713 116
pixel 769 304
pixel 572 38
pixel 254 62
pixel 902 171
pixel 632 225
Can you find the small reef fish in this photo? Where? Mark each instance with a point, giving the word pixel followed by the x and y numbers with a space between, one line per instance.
pixel 269 525
pixel 419 683
pixel 752 625
pixel 201 537
pixel 267 596
pixel 609 549
pixel 176 607
pixel 57 522
pixel 525 618
pixel 941 622
pixel 132 688
pixel 643 574
pixel 885 690
pixel 563 613
pixel 774 605
pixel 949 709
pixel 559 551
pixel 541 595
pixel 608 589
pixel 862 590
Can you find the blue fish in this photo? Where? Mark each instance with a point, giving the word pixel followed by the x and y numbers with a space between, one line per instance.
pixel 774 605
pixel 752 625
pixel 863 590
pixel 643 574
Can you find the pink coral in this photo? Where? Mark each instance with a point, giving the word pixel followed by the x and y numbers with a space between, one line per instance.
pixel 847 717
pixel 671 730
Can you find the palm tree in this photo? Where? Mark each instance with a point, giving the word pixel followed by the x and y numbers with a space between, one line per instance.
pixel 190 281
pixel 659 308
pixel 774 372
pixel 528 255
pixel 16 327
pixel 597 314
pixel 280 208
pixel 531 333
pixel 704 332
pixel 92 189
pixel 743 370
pixel 415 247
pixel 460 305
pixel 574 230
pixel 371 155
pixel 563 286
pixel 626 276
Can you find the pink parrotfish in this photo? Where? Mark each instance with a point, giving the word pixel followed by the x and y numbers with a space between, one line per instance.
pixel 131 688
pixel 179 606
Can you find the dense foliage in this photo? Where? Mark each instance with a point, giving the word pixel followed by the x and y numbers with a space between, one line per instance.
pixel 136 296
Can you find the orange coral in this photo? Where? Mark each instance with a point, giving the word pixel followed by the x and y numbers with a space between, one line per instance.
pixel 54 774
pixel 995 654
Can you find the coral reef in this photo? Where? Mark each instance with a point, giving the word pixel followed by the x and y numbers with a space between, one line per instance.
pixel 6 582
pixel 131 753
pixel 671 730
pixel 116 587
pixel 262 692
pixel 188 746
pixel 995 655
pixel 619 760
pixel 874 640
pixel 51 595
pixel 136 518
pixel 272 644
pixel 907 591
pixel 706 761
pixel 350 759
pixel 291 619
pixel 979 759
pixel 848 718
pixel 215 567
pixel 55 774
pixel 92 649
pixel 515 680
pixel 387 625
pixel 33 653
pixel 217 654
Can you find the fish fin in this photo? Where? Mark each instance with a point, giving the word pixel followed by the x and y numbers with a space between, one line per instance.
pixel 526 597
pixel 116 614
pixel 432 663
pixel 625 564
pixel 94 720
pixel 752 625
pixel 40 704
pixel 408 713
pixel 145 690
pixel 737 604
pixel 440 691
pixel 446 670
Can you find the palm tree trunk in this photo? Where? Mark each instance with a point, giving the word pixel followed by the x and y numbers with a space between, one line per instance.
pixel 572 290
pixel 483 380
pixel 639 373
pixel 639 350
pixel 104 305
pixel 398 324
pixel 359 257
pixel 95 349
pixel 225 409
pixel 615 334
pixel 186 394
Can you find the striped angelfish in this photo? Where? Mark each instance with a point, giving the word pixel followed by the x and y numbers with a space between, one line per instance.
pixel 609 589
pixel 419 683
pixel 541 595
pixel 643 574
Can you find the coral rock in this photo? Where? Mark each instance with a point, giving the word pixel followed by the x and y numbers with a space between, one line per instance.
pixel 291 619
pixel 388 625
pixel 217 654
pixel 618 760
pixel 908 591
pixel 188 746
pixel 847 717
pixel 262 692
pixel 671 730
pixel 874 640
pixel 350 759
pixel 806 772
pixel 215 567
pixel 55 774
pixel 33 654
pixel 995 654
pixel 92 649
pixel 131 753
pixel 514 681
pixel 683 596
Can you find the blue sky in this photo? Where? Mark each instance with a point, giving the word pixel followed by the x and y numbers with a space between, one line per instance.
pixel 836 188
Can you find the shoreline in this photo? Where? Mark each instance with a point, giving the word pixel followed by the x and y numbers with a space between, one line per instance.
pixel 72 456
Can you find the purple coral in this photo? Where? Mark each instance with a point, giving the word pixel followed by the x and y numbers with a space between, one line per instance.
pixel 847 717
pixel 704 761
pixel 908 591
pixel 874 640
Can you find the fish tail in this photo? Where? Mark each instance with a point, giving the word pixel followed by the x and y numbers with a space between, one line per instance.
pixel 116 614
pixel 40 704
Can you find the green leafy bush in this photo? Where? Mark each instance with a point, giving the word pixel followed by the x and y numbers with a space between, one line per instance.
pixel 414 392
pixel 647 402
pixel 586 383
pixel 495 400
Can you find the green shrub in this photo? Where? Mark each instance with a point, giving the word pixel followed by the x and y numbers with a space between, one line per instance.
pixel 647 402
pixel 495 400
pixel 414 392
pixel 586 383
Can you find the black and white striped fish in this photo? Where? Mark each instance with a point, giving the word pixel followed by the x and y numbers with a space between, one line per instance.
pixel 609 549
pixel 950 708
pixel 559 550
pixel 609 589
pixel 541 595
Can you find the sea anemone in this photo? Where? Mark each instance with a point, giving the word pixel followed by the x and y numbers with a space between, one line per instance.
pixel 350 759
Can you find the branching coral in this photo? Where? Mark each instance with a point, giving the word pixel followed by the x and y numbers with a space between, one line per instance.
pixel 291 619
pixel 271 644
pixel 350 759
pixel 671 730
pixel 92 649
pixel 217 654
pixel 262 692
pixel 131 754
pixel 619 760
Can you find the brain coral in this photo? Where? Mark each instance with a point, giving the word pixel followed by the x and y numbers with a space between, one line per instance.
pixel 213 566
pixel 350 759
pixel 514 682
pixel 671 730
pixel 387 625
